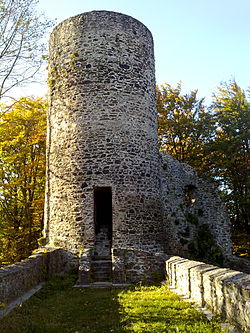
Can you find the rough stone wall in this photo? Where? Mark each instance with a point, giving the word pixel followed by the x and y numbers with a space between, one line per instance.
pixel 223 291
pixel 134 265
pixel 102 132
pixel 195 217
pixel 18 278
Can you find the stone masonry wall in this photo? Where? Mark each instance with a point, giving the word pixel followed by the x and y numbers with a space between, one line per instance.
pixel 18 278
pixel 134 265
pixel 102 132
pixel 223 291
pixel 195 218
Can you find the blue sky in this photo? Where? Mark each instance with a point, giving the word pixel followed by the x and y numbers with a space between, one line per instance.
pixel 200 42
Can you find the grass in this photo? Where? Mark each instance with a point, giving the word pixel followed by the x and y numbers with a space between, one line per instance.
pixel 59 308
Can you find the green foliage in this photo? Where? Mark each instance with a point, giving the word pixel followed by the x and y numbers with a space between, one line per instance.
pixel 186 232
pixel 200 212
pixel 204 247
pixel 60 308
pixel 231 151
pixel 192 218
pixel 214 140
pixel 22 178
pixel 183 124
pixel 176 221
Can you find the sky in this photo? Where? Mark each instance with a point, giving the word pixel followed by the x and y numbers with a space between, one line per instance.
pixel 198 42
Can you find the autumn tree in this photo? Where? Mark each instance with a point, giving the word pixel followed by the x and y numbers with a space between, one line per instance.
pixel 213 140
pixel 21 45
pixel 22 178
pixel 184 125
pixel 231 153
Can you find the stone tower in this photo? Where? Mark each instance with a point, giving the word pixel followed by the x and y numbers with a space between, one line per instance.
pixel 103 167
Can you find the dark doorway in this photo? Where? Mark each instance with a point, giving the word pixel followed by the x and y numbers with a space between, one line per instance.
pixel 103 210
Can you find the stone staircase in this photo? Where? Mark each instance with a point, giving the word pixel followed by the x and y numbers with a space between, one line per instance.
pixel 101 269
pixel 102 243
pixel 101 264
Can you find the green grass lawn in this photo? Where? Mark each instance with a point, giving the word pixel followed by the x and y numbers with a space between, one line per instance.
pixel 59 308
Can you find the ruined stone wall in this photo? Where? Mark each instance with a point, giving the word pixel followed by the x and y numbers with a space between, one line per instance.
pixel 102 132
pixel 18 278
pixel 195 218
pixel 223 291
pixel 132 265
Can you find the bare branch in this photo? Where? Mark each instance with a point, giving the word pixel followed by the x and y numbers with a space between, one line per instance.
pixel 21 46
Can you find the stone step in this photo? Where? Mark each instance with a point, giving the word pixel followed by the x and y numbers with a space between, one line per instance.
pixel 100 275
pixel 101 264
pixel 102 261
pixel 101 257
pixel 101 279
pixel 102 242
pixel 101 270
pixel 105 270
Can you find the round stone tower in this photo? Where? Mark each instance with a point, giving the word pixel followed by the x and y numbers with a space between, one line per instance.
pixel 103 182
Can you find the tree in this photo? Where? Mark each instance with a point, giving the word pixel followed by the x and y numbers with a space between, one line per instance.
pixel 215 140
pixel 21 47
pixel 184 125
pixel 231 154
pixel 22 178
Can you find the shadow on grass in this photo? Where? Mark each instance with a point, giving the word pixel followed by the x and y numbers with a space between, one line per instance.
pixel 59 308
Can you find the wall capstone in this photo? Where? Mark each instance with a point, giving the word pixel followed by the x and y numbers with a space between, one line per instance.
pixel 223 291
pixel 18 278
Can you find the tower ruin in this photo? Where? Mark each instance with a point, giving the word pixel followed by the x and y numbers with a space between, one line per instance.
pixel 103 165
pixel 109 192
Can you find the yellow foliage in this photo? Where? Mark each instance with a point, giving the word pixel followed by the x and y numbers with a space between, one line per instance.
pixel 22 177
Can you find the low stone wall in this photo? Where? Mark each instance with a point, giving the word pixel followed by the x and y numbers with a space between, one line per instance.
pixel 18 278
pixel 238 264
pixel 131 265
pixel 222 290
